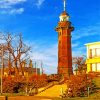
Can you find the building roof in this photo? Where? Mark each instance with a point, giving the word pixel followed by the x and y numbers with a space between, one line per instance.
pixel 93 43
pixel 64 13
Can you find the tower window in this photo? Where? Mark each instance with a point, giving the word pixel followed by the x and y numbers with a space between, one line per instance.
pixel 90 55
pixel 59 59
pixel 59 33
pixel 59 42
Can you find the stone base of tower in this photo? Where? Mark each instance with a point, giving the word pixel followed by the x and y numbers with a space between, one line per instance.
pixel 66 72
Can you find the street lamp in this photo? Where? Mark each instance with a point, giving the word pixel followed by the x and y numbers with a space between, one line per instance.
pixel 2 60
pixel 1 66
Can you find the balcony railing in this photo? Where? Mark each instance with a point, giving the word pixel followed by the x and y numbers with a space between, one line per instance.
pixel 95 56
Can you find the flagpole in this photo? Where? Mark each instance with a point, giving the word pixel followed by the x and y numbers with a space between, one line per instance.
pixel 64 5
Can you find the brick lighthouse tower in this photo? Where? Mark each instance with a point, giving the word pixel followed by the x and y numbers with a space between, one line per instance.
pixel 64 29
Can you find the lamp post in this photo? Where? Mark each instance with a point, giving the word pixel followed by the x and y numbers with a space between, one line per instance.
pixel 1 66
pixel 42 67
pixel 2 60
pixel 35 68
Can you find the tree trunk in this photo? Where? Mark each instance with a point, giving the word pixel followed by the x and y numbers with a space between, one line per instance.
pixel 15 65
pixel 21 68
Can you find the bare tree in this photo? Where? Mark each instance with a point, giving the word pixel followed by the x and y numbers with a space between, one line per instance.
pixel 18 51
pixel 80 64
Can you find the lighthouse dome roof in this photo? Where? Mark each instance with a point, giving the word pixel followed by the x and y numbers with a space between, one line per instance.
pixel 64 14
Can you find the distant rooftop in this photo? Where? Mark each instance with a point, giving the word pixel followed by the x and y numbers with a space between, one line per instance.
pixel 92 43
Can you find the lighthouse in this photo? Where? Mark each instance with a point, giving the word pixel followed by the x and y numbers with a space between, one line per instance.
pixel 64 29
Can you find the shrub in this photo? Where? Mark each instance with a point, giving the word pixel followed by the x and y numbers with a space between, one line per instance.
pixel 18 84
pixel 78 85
pixel 13 84
pixel 37 81
pixel 54 77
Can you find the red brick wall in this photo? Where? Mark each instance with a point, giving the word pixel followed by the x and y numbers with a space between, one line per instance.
pixel 64 48
pixel 2 98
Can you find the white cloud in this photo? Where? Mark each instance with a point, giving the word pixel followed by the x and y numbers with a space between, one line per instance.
pixel 46 53
pixel 39 3
pixel 18 11
pixel 87 31
pixel 8 6
pixel 13 11
pixel 2 41
pixel 10 3
pixel 79 51
pixel 75 45
pixel 49 54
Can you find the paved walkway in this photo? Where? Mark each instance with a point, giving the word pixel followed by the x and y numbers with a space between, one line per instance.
pixel 54 91
pixel 28 98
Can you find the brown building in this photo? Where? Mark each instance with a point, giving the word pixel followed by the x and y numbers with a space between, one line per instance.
pixel 64 29
pixel 28 71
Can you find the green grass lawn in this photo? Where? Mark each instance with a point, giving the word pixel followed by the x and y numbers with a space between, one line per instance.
pixel 97 81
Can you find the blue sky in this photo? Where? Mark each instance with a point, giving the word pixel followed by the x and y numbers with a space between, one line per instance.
pixel 37 19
